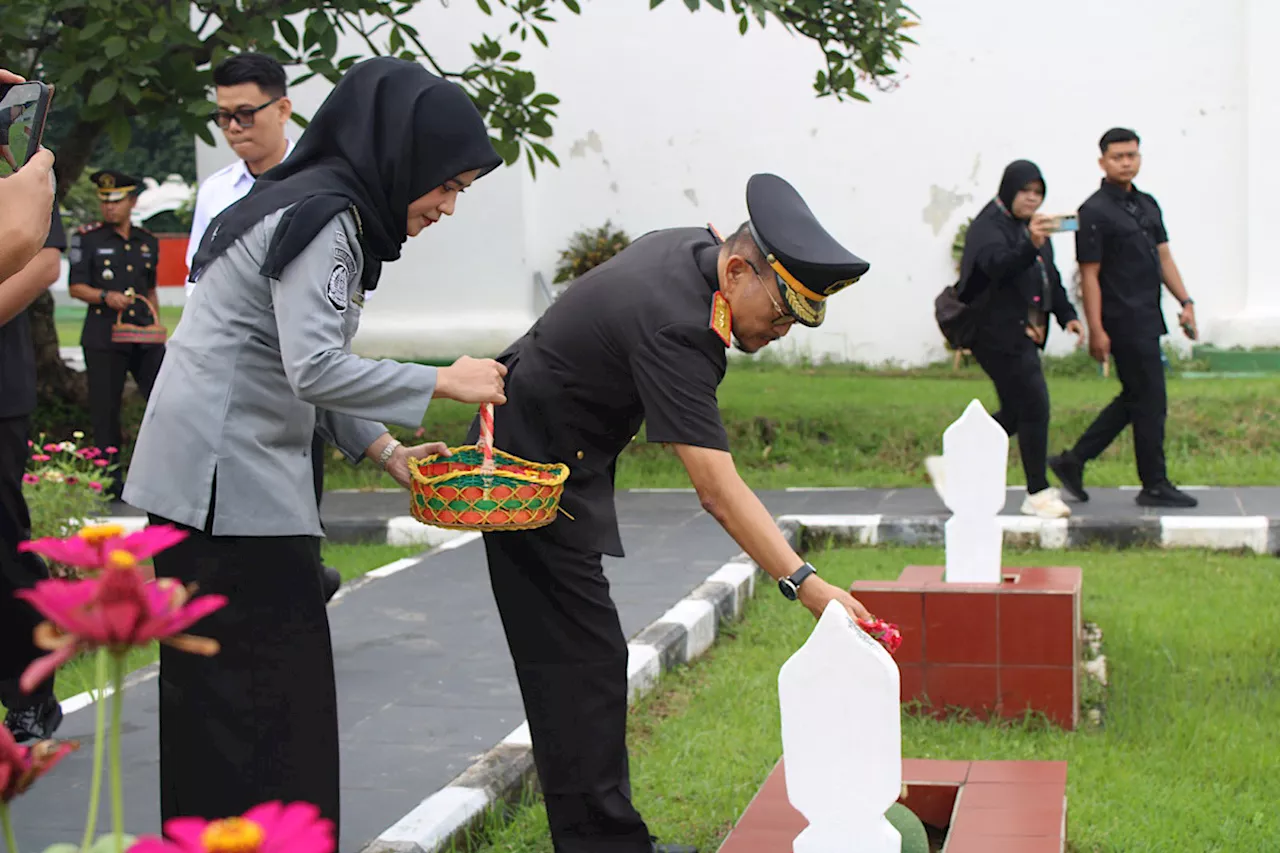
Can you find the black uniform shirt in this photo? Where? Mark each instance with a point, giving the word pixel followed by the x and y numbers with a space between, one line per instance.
pixel 17 354
pixel 1121 231
pixel 630 342
pixel 101 258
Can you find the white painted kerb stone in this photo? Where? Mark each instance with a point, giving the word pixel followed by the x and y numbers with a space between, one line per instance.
pixel 699 619
pixel 437 817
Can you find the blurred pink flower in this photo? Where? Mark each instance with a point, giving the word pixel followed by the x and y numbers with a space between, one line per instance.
pixel 40 457
pixel 267 828
pixel 97 546
pixel 95 485
pixel 71 481
pixel 113 450
pixel 30 479
pixel 20 766
pixel 52 448
pixel 101 463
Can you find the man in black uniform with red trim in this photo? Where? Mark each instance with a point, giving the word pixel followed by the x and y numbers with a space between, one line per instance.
pixel 639 339
pixel 109 260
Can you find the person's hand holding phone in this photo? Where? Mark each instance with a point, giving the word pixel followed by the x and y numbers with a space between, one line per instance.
pixel 1040 228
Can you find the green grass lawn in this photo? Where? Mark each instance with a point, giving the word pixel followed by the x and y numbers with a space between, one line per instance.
pixel 842 426
pixel 352 561
pixel 1186 760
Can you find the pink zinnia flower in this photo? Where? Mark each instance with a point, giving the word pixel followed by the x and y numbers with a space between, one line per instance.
pixel 52 448
pixel 95 485
pixel 101 463
pixel 267 828
pixel 118 609
pixel 20 766
pixel 40 457
pixel 30 479
pixel 113 450
pixel 71 481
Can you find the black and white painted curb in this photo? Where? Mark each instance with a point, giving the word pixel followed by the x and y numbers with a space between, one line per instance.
pixel 1257 533
pixel 398 530
pixel 680 635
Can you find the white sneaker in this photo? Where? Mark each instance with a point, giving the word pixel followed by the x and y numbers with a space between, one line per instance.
pixel 934 467
pixel 1046 504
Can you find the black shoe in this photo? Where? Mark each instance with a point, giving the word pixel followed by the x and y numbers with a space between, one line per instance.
pixel 1165 495
pixel 1071 474
pixel 330 580
pixel 37 722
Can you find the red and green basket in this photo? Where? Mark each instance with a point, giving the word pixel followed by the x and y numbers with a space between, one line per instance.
pixel 480 488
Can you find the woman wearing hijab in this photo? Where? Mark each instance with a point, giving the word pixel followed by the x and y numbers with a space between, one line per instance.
pixel 223 451
pixel 1007 275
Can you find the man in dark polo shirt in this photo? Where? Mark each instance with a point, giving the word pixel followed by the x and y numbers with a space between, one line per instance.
pixel 640 339
pixel 1123 252
pixel 37 715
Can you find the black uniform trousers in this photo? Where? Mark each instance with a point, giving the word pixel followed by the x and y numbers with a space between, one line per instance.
pixel 1024 404
pixel 106 369
pixel 571 661
pixel 17 571
pixel 1142 402
pixel 259 720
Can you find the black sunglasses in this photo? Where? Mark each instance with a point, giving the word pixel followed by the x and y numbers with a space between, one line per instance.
pixel 243 116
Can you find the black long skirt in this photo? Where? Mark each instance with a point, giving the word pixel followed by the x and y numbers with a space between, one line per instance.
pixel 259 720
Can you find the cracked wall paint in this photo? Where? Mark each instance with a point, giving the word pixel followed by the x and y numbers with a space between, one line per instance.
pixel 942 203
pixel 592 142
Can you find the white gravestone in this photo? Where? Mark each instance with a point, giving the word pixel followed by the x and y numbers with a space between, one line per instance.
pixel 842 738
pixel 975 453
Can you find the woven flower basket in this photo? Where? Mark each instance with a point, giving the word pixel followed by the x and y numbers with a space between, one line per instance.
pixel 480 488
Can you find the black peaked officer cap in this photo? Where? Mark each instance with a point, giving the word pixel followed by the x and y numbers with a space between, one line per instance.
pixel 808 263
pixel 115 186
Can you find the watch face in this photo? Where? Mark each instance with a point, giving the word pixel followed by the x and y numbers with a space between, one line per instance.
pixel 787 588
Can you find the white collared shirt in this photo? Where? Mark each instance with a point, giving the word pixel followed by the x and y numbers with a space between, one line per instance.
pixel 216 194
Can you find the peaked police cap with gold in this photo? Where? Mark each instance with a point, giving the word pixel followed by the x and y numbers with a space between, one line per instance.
pixel 115 186
pixel 807 262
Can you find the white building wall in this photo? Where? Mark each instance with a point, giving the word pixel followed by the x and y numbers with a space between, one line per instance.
pixel 665 114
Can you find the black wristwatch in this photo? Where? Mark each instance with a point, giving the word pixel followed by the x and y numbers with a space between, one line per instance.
pixel 790 587
pixel 1188 301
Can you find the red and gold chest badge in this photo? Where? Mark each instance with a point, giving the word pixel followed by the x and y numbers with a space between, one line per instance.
pixel 722 318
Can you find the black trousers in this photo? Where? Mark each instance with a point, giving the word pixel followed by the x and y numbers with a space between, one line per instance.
pixel 17 571
pixel 259 720
pixel 571 661
pixel 106 369
pixel 1024 405
pixel 1142 402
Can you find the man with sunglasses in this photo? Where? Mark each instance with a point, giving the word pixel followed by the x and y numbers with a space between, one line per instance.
pixel 639 339
pixel 1123 252
pixel 251 91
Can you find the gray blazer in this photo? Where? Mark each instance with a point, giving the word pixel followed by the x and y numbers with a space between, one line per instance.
pixel 253 369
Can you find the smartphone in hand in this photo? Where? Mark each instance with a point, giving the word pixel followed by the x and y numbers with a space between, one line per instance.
pixel 1066 222
pixel 24 107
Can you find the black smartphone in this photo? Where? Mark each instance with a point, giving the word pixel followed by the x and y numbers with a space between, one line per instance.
pixel 23 110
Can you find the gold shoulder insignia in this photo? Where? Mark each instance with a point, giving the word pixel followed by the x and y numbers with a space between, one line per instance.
pixel 722 318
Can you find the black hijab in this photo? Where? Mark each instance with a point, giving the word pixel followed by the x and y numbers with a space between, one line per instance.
pixel 994 225
pixel 1017 175
pixel 388 134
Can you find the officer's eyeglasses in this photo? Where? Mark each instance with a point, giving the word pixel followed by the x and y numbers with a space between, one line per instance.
pixel 244 116
pixel 783 316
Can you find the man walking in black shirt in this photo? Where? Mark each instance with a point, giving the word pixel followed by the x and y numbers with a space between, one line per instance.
pixel 1123 252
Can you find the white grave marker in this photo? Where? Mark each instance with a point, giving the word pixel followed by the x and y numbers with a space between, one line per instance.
pixel 842 738
pixel 975 453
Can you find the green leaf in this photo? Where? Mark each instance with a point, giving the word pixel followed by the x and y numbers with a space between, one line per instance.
pixel 157 33
pixel 329 42
pixel 484 7
pixel 73 74
pixel 62 848
pixel 130 90
pixel 103 91
pixel 119 131
pixel 288 32
pixel 692 4
pixel 90 32
pixel 533 167
pixel 541 37
pixel 653 4
pixel 396 42
pixel 107 843
pixel 510 56
pixel 572 6
pixel 544 99
pixel 508 149
pixel 742 25
pixel 114 46
pixel 718 5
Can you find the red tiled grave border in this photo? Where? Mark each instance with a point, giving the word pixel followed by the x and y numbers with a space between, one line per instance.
pixel 988 648
pixel 985 806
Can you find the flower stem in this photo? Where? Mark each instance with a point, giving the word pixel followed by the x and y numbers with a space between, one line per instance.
pixel 117 711
pixel 11 843
pixel 99 744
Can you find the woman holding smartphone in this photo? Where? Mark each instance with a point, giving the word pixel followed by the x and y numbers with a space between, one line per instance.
pixel 1008 277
